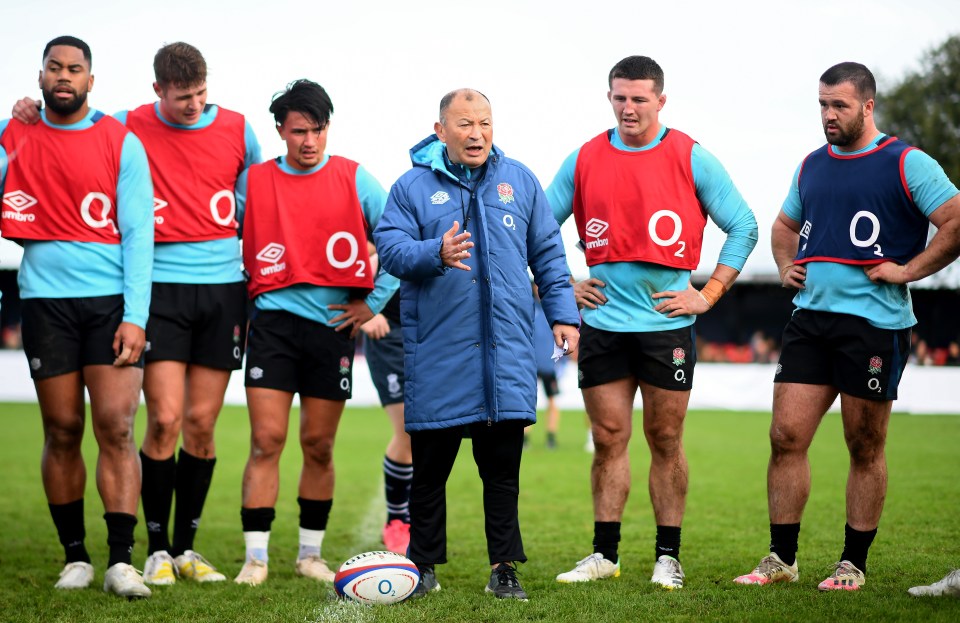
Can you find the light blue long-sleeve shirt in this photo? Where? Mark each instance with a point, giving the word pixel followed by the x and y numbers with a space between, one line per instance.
pixel 310 301
pixel 845 288
pixel 61 269
pixel 207 261
pixel 630 285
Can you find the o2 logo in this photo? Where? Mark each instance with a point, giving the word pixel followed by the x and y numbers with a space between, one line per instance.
pixel 227 220
pixel 869 241
pixel 95 211
pixel 352 254
pixel 674 237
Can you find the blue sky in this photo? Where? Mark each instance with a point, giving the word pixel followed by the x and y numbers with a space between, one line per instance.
pixel 741 77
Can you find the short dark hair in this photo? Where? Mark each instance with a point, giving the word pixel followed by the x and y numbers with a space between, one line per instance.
pixel 447 99
pixel 638 68
pixel 179 64
pixel 303 96
pixel 73 42
pixel 856 74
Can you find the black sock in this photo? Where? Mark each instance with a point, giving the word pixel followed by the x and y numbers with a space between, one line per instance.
pixel 193 482
pixel 856 544
pixel 606 538
pixel 668 542
pixel 257 519
pixel 783 541
pixel 120 537
pixel 397 478
pixel 68 519
pixel 156 491
pixel 314 513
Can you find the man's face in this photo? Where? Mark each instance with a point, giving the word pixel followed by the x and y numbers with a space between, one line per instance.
pixel 182 105
pixel 636 106
pixel 65 80
pixel 306 140
pixel 842 113
pixel 467 129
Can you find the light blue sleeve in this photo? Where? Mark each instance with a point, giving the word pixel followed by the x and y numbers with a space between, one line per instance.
pixel 135 221
pixel 792 207
pixel 726 206
pixel 240 193
pixel 928 184
pixel 560 191
pixel 373 198
pixel 252 153
pixel 121 116
pixel 548 262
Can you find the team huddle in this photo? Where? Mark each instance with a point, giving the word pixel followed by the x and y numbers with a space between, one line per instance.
pixel 133 279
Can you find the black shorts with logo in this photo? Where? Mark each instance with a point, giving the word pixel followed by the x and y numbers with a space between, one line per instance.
pixel 198 323
pixel 293 354
pixel 859 359
pixel 385 360
pixel 64 335
pixel 664 359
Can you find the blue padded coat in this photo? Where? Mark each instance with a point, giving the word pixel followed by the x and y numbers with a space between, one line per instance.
pixel 468 336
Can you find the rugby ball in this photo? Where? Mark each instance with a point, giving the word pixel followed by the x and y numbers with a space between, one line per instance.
pixel 377 578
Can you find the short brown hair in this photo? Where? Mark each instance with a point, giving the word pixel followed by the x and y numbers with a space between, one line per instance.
pixel 638 68
pixel 179 64
pixel 856 74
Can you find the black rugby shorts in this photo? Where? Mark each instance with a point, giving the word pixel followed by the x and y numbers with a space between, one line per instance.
pixel 664 359
pixel 293 354
pixel 550 385
pixel 203 324
pixel 64 335
pixel 385 360
pixel 847 352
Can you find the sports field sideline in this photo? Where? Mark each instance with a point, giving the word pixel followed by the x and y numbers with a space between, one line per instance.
pixel 745 387
pixel 725 532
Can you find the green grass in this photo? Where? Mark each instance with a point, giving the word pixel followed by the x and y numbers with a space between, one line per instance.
pixel 725 532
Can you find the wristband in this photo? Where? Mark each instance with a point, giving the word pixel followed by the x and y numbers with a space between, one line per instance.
pixel 712 292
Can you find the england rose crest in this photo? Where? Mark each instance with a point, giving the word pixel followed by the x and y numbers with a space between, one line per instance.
pixel 506 192
pixel 344 365
pixel 876 365
pixel 679 357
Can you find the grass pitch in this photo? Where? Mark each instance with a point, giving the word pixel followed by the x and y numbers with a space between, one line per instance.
pixel 725 531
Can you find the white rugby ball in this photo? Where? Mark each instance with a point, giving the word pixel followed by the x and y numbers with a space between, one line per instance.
pixel 377 578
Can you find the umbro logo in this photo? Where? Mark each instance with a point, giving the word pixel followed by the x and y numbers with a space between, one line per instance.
pixel 18 200
pixel 271 253
pixel 159 203
pixel 439 198
pixel 595 227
